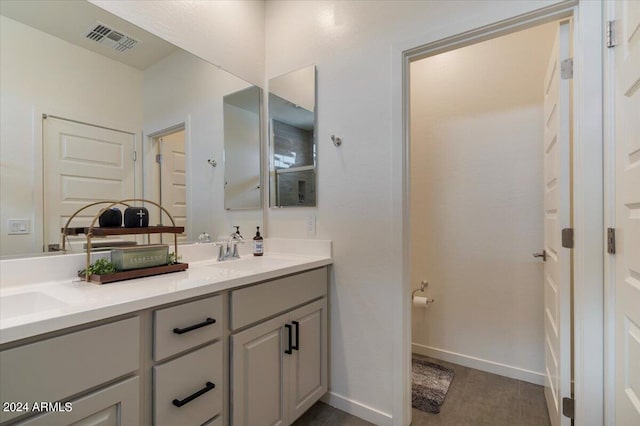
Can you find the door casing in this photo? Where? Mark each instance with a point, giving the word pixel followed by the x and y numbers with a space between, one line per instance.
pixel 588 187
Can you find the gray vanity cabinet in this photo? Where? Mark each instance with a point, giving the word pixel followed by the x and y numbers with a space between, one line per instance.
pixel 54 369
pixel 116 405
pixel 279 365
pixel 172 364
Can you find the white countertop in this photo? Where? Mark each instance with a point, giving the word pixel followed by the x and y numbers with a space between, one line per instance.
pixel 33 309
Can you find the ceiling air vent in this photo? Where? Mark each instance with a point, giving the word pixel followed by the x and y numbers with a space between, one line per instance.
pixel 116 40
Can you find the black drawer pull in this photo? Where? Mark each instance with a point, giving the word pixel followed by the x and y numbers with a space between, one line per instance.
pixel 178 403
pixel 288 351
pixel 297 345
pixel 206 322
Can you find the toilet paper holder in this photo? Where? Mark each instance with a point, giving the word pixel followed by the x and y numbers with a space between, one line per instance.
pixel 423 285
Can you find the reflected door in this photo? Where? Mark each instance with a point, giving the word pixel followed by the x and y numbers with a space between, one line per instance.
pixel 83 164
pixel 173 178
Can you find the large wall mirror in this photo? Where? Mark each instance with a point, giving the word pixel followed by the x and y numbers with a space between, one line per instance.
pixel 95 108
pixel 293 161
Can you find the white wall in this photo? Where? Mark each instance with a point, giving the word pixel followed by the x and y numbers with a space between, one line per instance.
pixel 229 33
pixel 35 77
pixel 360 183
pixel 195 98
pixel 476 202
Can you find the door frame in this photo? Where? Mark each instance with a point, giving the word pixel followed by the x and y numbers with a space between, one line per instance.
pixel 588 187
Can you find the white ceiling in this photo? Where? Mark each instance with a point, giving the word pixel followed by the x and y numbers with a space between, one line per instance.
pixel 71 19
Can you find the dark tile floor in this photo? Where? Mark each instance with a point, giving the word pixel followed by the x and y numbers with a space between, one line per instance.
pixel 475 398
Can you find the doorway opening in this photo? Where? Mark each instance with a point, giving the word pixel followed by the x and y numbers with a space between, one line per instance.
pixel 490 170
pixel 169 176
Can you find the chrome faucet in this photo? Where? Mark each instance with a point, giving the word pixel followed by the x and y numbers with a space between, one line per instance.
pixel 231 250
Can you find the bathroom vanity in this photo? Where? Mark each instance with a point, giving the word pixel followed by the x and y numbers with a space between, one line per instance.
pixel 238 342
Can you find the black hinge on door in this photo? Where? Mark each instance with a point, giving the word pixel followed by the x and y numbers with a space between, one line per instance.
pixel 611 240
pixel 568 407
pixel 567 238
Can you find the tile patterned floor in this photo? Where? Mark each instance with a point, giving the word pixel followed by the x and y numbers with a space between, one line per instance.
pixel 475 398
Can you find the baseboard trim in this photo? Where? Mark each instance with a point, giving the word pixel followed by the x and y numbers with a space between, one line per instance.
pixel 357 409
pixel 480 364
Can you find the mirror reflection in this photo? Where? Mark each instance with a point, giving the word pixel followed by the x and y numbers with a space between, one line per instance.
pixel 94 108
pixel 293 160
pixel 242 150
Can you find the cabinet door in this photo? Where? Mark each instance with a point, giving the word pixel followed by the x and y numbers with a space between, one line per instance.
pixel 308 375
pixel 116 405
pixel 259 373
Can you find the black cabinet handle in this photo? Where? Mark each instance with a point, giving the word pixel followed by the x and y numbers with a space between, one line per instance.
pixel 206 322
pixel 179 403
pixel 297 345
pixel 288 351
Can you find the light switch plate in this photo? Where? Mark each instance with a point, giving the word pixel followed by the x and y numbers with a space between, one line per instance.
pixel 310 225
pixel 18 226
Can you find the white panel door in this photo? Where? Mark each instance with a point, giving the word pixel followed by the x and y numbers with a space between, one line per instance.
pixel 627 257
pixel 173 195
pixel 83 164
pixel 557 215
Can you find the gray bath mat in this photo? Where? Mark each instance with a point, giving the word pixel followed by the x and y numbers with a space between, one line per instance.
pixel 429 385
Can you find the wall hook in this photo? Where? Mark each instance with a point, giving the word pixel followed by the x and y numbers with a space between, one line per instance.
pixel 213 163
pixel 336 140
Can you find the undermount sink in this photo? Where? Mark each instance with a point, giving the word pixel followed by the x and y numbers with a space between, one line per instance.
pixel 27 304
pixel 252 264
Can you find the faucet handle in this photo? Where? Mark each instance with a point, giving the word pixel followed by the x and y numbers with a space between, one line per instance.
pixel 221 253
pixel 235 253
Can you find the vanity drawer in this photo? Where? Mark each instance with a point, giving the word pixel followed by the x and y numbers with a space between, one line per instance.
pixel 56 368
pixel 215 422
pixel 185 381
pixel 252 304
pixel 179 328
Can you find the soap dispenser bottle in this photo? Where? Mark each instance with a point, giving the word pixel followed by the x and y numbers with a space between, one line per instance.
pixel 258 243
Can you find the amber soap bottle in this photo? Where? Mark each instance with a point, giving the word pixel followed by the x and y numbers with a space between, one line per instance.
pixel 258 243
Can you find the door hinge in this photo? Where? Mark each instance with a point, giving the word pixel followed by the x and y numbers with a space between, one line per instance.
pixel 611 240
pixel 567 238
pixel 159 158
pixel 135 155
pixel 568 407
pixel 611 41
pixel 566 69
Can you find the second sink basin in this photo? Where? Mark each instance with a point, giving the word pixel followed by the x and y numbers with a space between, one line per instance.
pixel 28 303
pixel 253 264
